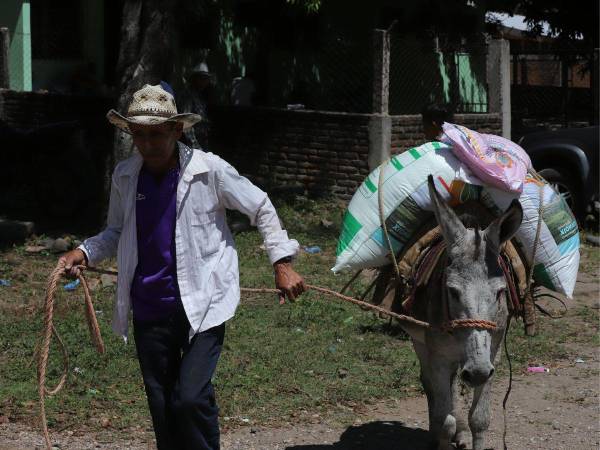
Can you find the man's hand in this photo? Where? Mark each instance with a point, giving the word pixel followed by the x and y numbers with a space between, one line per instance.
pixel 288 281
pixel 72 260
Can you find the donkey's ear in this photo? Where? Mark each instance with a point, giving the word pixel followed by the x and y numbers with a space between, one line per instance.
pixel 450 224
pixel 505 226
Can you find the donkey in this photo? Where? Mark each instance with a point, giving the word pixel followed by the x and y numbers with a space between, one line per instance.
pixel 467 284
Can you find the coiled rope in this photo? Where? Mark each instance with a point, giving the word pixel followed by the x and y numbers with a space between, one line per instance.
pixel 49 330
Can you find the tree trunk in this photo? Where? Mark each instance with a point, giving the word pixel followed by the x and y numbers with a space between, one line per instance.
pixel 149 40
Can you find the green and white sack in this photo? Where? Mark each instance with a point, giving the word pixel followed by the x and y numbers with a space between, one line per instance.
pixel 406 207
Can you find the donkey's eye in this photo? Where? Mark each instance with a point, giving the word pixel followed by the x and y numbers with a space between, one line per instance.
pixel 454 293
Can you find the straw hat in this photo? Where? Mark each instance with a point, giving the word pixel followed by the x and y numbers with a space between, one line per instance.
pixel 151 105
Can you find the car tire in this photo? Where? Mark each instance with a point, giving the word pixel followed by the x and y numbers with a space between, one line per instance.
pixel 562 182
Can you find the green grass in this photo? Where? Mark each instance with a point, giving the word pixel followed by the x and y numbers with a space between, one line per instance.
pixel 317 356
pixel 278 361
pixel 591 254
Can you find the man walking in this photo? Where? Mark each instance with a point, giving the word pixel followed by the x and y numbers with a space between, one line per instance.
pixel 178 267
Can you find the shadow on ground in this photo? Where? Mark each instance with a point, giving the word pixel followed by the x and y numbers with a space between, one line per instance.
pixel 376 436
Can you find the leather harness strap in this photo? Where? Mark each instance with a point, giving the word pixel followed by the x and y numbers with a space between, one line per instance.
pixel 421 274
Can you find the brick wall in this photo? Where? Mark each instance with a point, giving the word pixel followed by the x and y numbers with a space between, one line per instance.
pixel 324 152
pixel 407 131
pixel 32 109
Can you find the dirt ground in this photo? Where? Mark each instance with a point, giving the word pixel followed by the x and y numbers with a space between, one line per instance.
pixel 555 410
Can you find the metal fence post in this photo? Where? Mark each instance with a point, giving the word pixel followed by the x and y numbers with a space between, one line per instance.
pixel 594 86
pixel 4 69
pixel 380 123
pixel 498 80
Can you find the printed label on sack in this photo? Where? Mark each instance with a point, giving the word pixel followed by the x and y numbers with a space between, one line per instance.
pixel 559 219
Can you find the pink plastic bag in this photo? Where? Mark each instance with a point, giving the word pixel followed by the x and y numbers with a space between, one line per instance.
pixel 495 160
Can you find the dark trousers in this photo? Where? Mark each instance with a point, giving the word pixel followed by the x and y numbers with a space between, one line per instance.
pixel 177 375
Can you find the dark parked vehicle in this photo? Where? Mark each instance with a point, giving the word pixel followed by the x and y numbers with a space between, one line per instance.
pixel 568 159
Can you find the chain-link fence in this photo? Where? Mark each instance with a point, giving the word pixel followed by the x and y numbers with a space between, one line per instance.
pixel 553 88
pixel 55 29
pixel 422 72
pixel 346 74
pixel 335 72
pixel 334 76
pixel 338 75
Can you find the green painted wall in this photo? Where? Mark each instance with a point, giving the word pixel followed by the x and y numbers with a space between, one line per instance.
pixel 472 89
pixel 15 15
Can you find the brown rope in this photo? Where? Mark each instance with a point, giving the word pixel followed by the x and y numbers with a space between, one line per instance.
pixel 469 323
pixel 381 206
pixel 509 388
pixel 447 326
pixel 538 228
pixel 48 331
pixel 345 298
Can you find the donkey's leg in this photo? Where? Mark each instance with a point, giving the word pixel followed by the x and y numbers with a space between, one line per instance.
pixel 460 411
pixel 437 381
pixel 423 355
pixel 479 415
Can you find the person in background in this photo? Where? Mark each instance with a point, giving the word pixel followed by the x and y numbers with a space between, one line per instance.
pixel 178 267
pixel 198 98
pixel 243 90
pixel 433 117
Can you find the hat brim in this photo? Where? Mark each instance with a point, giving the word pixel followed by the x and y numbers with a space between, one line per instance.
pixel 120 121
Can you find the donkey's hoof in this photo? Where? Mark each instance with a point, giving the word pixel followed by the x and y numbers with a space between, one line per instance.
pixel 460 440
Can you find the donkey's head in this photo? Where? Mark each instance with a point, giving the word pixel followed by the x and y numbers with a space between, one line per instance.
pixel 475 285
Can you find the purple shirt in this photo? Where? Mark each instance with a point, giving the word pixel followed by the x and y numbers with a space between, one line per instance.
pixel 154 290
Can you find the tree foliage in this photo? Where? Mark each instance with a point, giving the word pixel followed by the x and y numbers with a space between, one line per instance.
pixel 567 19
pixel 311 6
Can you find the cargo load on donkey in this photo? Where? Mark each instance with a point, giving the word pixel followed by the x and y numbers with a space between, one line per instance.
pixel 460 277
pixel 399 195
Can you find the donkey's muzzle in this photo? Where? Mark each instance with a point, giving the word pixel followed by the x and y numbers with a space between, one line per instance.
pixel 477 376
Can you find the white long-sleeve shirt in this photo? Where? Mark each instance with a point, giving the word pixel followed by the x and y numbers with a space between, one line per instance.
pixel 206 259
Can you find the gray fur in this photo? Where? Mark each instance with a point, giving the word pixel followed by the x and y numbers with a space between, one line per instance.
pixel 476 288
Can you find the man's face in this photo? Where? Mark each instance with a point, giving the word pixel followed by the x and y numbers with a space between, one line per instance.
pixel 156 143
